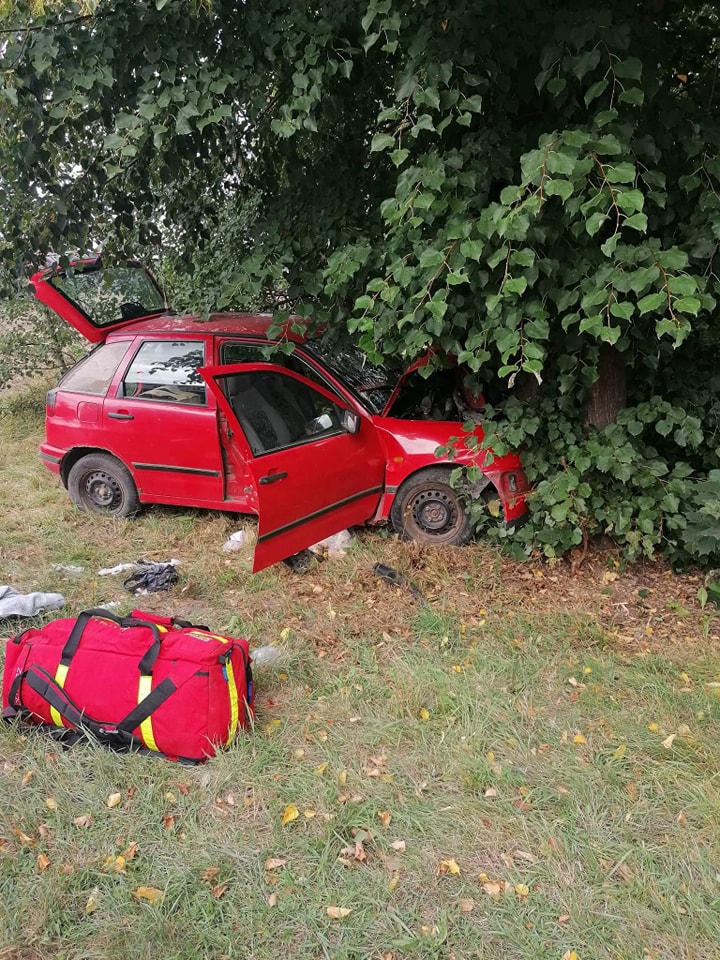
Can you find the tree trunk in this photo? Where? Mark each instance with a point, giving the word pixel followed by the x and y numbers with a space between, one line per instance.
pixel 609 392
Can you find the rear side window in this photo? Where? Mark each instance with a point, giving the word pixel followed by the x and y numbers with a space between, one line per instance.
pixel 94 373
pixel 166 370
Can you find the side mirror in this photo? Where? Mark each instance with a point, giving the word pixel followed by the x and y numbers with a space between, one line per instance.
pixel 350 421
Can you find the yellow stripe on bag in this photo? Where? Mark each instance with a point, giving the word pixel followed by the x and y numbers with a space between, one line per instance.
pixel 232 688
pixel 60 677
pixel 146 728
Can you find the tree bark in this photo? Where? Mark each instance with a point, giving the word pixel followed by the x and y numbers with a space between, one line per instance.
pixel 609 392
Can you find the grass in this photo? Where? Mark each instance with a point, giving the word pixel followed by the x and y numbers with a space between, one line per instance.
pixel 516 740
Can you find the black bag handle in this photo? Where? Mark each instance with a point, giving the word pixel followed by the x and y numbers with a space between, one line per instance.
pixel 73 641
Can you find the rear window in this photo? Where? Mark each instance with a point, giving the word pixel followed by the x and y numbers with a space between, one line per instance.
pixel 110 295
pixel 94 373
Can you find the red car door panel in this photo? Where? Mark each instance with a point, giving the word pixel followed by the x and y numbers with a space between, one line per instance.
pixel 160 420
pixel 312 477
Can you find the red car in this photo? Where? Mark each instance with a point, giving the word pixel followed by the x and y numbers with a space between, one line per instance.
pixel 211 413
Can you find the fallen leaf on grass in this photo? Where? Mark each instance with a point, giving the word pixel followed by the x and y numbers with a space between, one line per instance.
pixel 394 881
pixel 321 768
pixel 43 862
pixel 490 792
pixel 113 800
pixel 309 814
pixel 168 821
pixel 342 778
pixel 290 813
pixel 668 741
pixel 51 803
pixel 448 866
pixel 579 738
pixel 339 913
pixel 272 900
pixel 151 894
pixel 115 864
pixel 467 906
pixel 522 890
pixel 563 918
pixel 209 873
pixel 92 902
pixel 27 777
pixel 184 788
pixel 84 820
pixel 384 816
pixel 131 851
pixel 494 888
pixel 570 955
pixel 219 891
pixel 274 863
pixel 424 714
pixel 24 838
pixel 398 845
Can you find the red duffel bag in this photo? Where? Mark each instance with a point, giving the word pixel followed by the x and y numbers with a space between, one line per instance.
pixel 140 682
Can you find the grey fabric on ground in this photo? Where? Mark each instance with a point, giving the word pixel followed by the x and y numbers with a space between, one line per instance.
pixel 16 604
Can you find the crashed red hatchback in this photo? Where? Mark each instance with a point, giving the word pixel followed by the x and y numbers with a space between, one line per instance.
pixel 180 410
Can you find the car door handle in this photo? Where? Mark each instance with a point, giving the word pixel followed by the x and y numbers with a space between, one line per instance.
pixel 272 478
pixel 121 416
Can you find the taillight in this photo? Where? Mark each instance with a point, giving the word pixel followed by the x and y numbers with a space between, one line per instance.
pixel 50 402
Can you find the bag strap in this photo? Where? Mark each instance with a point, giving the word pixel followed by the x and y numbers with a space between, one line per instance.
pixel 73 641
pixel 167 621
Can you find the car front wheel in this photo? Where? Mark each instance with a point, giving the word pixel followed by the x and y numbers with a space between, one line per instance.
pixel 98 483
pixel 427 509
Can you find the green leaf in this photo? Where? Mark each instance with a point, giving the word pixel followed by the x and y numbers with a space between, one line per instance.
pixel 682 286
pixel 424 122
pixel 638 221
pixel 608 248
pixel 594 222
pixel 508 195
pixel 652 302
pixel 399 156
pixel 472 249
pixel 381 141
pixel 592 324
pixel 560 163
pixel 114 141
pixel 586 62
pixel 623 310
pixel 673 259
pixel 516 285
pixel 687 305
pixel 630 68
pixel 596 90
pixel 634 95
pixel 575 138
pixel 608 145
pixel 558 188
pixel 630 201
pixel 523 258
pixel 620 173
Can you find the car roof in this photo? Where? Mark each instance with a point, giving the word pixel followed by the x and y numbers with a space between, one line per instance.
pixel 253 325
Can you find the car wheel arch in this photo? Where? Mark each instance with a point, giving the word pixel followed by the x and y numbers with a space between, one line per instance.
pixel 77 453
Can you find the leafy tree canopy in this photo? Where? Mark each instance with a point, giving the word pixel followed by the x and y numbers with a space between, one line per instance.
pixel 530 187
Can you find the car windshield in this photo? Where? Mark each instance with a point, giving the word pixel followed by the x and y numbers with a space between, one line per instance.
pixel 110 295
pixel 372 383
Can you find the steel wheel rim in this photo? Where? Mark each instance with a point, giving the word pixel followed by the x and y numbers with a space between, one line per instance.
pixel 435 512
pixel 102 490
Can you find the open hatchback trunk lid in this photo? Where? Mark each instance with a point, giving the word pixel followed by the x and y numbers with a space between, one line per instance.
pixel 95 299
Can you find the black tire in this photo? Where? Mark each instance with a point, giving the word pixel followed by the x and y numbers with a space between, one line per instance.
pixel 98 483
pixel 427 509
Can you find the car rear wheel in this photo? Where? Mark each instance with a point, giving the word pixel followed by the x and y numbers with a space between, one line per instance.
pixel 427 509
pixel 98 483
